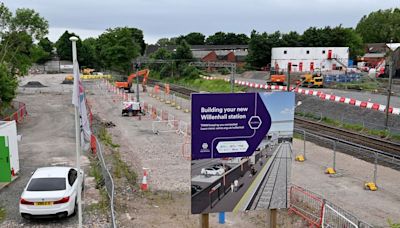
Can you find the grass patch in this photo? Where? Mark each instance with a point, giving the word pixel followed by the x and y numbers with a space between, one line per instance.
pixel 103 204
pixel 2 213
pixel 105 137
pixel 353 127
pixel 297 135
pixel 205 85
pixel 122 169
pixel 95 171
pixel 364 84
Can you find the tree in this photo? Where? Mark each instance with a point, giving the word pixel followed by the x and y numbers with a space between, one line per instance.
pixel 183 51
pixel 182 55
pixel 164 42
pixel 88 56
pixel 43 51
pixel 217 39
pixel 18 32
pixel 116 48
pixel 194 38
pixel 292 39
pixel 260 47
pixel 8 86
pixel 64 46
pixel 221 38
pixel 382 26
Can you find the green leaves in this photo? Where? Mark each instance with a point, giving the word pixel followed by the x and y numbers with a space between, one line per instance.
pixel 118 47
pixel 8 85
pixel 382 26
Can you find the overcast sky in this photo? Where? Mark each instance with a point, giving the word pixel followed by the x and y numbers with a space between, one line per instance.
pixel 168 18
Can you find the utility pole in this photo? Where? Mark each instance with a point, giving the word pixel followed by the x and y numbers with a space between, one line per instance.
pixel 288 73
pixel 389 90
pixel 233 72
pixel 137 66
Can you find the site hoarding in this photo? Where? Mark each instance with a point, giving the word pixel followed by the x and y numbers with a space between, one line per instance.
pixel 237 140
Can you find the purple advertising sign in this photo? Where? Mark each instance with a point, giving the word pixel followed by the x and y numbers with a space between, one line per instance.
pixel 228 124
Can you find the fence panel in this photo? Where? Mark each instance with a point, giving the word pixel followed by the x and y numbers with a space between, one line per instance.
pixel 306 205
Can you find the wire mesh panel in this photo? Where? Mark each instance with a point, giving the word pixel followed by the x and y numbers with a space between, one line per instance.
pixel 335 217
pixel 307 205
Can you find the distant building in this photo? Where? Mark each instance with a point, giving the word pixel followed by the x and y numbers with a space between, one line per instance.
pixel 375 56
pixel 211 53
pixel 308 59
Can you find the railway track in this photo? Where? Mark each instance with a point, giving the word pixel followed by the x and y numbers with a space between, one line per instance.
pixel 277 178
pixel 176 88
pixel 387 147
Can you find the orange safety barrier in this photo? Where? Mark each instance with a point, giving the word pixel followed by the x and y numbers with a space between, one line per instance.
pixel 18 115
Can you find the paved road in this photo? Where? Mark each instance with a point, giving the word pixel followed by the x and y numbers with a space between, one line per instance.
pixel 48 138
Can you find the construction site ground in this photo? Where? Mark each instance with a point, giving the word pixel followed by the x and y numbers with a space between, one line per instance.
pixel 168 203
pixel 171 170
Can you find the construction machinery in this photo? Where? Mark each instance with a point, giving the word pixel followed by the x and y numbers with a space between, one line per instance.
pixel 131 108
pixel 87 71
pixel 312 80
pixel 128 84
pixel 277 79
pixel 69 79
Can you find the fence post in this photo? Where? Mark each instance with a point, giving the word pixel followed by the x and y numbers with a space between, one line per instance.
pixel 334 155
pixel 304 144
pixel 375 168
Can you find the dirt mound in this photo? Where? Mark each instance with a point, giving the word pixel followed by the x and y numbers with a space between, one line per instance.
pixel 34 84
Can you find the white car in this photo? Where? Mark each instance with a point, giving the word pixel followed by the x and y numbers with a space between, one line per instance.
pixel 213 171
pixel 51 191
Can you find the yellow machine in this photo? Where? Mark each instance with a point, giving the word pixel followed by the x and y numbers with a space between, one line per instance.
pixel 312 80
pixel 69 79
pixel 87 71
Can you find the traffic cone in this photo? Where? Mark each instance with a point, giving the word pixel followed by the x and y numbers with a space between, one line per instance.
pixel 144 186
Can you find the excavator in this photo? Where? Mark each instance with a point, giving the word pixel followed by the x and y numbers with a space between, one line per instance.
pixel 311 80
pixel 128 84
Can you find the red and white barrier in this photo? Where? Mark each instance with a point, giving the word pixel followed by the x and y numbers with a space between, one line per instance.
pixel 320 94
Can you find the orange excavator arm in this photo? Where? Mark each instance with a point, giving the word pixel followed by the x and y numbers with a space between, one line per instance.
pixel 128 83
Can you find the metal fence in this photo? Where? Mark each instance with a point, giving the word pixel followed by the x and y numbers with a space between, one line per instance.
pixel 19 115
pixel 361 123
pixel 319 212
pixel 108 181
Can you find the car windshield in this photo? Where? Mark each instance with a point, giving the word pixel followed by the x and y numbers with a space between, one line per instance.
pixel 47 184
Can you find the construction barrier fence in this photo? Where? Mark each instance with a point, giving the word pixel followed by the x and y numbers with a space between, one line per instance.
pixel 19 115
pixel 319 212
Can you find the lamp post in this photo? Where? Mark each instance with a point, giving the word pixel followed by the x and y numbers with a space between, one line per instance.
pixel 77 130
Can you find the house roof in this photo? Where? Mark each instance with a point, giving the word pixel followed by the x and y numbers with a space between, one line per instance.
pixel 374 55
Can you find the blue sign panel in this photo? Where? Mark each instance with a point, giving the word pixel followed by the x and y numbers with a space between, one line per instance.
pixel 228 125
